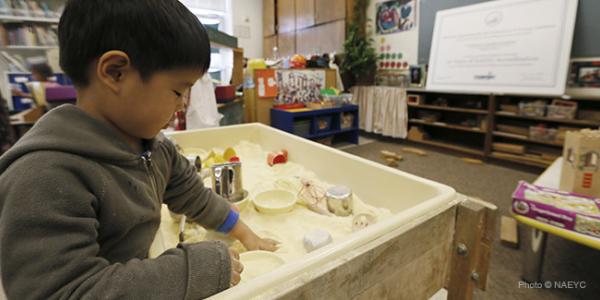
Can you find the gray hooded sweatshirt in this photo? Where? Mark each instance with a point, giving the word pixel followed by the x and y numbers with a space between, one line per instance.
pixel 79 210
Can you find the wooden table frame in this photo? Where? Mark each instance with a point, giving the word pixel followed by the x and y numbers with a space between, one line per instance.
pixel 447 249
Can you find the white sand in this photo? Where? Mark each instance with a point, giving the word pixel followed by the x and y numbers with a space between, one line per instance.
pixel 288 228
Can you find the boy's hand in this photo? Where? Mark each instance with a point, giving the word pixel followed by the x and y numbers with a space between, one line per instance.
pixel 257 243
pixel 250 240
pixel 236 267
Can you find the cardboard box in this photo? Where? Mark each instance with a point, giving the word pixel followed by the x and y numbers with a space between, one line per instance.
pixel 564 210
pixel 581 163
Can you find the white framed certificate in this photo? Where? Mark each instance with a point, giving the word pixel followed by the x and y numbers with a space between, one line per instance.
pixel 503 47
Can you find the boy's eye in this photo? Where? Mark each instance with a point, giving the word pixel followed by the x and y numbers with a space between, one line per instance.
pixel 177 93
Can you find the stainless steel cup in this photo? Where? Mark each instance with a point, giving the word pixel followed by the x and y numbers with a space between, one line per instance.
pixel 227 181
pixel 339 200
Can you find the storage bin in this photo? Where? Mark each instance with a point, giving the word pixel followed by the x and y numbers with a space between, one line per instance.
pixel 562 112
pixel 323 124
pixel 542 134
pixel 302 127
pixel 346 120
pixel 509 108
pixel 532 109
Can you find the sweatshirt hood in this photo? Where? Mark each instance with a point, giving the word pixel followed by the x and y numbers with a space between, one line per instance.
pixel 69 129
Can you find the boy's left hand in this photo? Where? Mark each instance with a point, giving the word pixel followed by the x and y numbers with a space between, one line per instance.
pixel 255 242
pixel 250 240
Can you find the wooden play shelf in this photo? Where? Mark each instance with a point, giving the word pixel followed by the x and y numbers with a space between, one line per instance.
pixel 530 161
pixel 449 146
pixel 524 138
pixel 545 119
pixel 446 125
pixel 448 108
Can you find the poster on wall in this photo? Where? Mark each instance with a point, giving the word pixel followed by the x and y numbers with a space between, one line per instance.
pixel 396 16
pixel 266 82
pixel 501 47
pixel 299 86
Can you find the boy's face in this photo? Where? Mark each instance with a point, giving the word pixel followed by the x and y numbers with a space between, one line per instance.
pixel 147 106
pixel 137 108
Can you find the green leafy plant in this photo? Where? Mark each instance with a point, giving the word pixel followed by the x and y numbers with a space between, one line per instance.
pixel 360 59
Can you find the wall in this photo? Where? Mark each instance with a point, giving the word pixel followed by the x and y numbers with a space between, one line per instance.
pixel 248 27
pixel 304 26
pixel 406 42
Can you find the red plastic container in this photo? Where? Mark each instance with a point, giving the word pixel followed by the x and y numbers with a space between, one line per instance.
pixel 225 93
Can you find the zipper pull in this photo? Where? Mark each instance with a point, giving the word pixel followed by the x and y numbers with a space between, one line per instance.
pixel 147 158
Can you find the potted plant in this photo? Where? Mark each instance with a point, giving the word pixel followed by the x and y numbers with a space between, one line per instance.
pixel 360 60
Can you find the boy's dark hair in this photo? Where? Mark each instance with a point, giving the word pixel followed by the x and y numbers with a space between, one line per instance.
pixel 158 35
pixel 43 69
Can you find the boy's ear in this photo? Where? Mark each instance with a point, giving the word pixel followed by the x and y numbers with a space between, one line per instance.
pixel 112 67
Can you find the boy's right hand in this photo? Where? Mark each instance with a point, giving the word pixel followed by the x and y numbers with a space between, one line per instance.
pixel 236 267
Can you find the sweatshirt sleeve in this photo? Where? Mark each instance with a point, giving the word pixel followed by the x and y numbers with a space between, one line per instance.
pixel 49 246
pixel 187 195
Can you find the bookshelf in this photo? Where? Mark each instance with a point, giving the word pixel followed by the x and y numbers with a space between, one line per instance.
pixel 24 19
pixel 28 34
pixel 34 48
pixel 30 23
pixel 493 127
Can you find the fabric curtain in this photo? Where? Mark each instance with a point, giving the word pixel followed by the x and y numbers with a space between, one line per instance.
pixel 382 110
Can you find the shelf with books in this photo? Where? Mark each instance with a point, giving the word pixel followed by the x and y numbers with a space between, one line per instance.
pixel 21 19
pixel 27 36
pixel 17 47
pixel 45 11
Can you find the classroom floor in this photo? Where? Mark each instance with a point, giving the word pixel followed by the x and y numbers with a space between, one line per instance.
pixel 564 260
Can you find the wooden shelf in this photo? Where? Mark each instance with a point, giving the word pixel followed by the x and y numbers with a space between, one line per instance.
pixel 545 119
pixel 454 109
pixel 521 159
pixel 492 115
pixel 7 18
pixel 449 146
pixel 445 125
pixel 525 139
pixel 28 47
pixel 230 103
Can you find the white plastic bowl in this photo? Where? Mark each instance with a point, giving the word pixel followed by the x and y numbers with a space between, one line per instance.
pixel 257 263
pixel 275 202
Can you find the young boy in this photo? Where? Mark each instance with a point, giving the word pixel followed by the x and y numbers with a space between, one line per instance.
pixel 39 73
pixel 81 192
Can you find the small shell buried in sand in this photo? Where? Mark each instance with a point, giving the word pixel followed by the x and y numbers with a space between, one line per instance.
pixel 362 221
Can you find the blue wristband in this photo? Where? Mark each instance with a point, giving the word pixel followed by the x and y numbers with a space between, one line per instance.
pixel 232 219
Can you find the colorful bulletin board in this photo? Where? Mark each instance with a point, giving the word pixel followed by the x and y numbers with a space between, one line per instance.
pixel 299 85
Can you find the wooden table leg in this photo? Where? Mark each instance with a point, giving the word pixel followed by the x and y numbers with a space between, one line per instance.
pixel 534 256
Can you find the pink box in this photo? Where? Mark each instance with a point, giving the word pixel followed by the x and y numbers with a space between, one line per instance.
pixel 564 210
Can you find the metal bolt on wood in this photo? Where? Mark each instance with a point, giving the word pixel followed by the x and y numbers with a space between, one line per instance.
pixel 462 249
pixel 475 276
